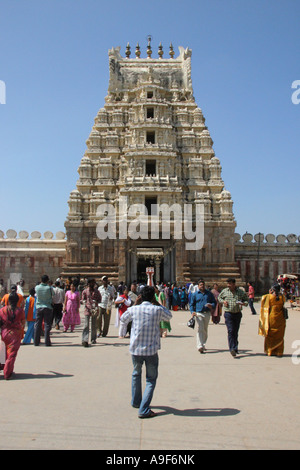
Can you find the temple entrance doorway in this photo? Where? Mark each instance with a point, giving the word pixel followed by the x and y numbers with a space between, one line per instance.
pixel 140 257
pixel 144 263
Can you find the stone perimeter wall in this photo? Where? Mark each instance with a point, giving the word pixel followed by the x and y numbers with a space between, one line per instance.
pixel 28 257
pixel 260 258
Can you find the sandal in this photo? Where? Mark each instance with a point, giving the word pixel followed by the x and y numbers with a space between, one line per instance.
pixel 151 414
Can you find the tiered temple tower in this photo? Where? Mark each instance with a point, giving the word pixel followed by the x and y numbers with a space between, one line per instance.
pixel 149 146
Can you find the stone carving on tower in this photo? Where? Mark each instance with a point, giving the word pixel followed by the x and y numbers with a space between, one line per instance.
pixel 149 145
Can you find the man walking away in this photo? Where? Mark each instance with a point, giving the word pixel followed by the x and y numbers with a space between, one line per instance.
pixel 44 311
pixel 144 346
pixel 58 301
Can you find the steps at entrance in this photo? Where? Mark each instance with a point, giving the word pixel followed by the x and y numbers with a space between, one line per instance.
pixel 95 272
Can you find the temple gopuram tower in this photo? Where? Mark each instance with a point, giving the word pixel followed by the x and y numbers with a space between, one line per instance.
pixel 149 146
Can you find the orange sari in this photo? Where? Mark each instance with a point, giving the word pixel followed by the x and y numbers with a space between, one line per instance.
pixel 272 324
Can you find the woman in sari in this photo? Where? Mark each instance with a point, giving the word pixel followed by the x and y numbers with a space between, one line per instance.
pixel 183 298
pixel 217 312
pixel 164 326
pixel 30 316
pixel 272 321
pixel 71 316
pixel 176 302
pixel 12 322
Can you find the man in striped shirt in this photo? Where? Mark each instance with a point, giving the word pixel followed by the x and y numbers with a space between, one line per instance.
pixel 144 346
pixel 233 300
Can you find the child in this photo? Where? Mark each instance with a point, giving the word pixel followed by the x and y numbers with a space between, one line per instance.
pixel 30 315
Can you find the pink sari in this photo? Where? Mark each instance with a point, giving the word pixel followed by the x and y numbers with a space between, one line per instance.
pixel 12 325
pixel 216 314
pixel 71 316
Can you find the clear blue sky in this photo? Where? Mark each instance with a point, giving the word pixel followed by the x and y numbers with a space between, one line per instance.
pixel 54 63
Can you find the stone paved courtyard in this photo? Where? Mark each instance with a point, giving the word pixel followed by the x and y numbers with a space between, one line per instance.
pixel 70 397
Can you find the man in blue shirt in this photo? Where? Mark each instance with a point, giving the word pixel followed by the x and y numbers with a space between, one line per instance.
pixel 202 302
pixel 144 344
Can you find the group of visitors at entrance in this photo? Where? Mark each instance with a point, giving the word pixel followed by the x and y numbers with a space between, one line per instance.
pixel 143 314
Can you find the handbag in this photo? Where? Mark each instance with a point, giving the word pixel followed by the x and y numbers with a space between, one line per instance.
pixel 2 352
pixel 191 323
pixel 285 313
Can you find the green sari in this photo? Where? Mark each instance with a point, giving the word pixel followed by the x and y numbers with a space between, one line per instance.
pixel 164 325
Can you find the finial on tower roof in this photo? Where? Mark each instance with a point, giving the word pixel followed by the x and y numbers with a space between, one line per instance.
pixel 172 53
pixel 160 51
pixel 137 51
pixel 149 50
pixel 128 51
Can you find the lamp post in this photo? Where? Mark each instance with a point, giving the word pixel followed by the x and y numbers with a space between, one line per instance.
pixel 257 283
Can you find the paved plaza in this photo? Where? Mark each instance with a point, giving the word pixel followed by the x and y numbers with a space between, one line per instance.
pixel 70 397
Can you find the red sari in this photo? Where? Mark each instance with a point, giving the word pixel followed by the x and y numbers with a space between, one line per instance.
pixel 12 324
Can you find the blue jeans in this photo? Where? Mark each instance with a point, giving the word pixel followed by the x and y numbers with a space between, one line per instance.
pixel 252 306
pixel 45 314
pixel 139 401
pixel 232 321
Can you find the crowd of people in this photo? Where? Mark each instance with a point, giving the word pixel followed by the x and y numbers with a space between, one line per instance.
pixel 142 312
pixel 289 286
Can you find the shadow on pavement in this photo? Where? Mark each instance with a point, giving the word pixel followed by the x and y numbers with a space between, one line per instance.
pixel 209 412
pixel 51 375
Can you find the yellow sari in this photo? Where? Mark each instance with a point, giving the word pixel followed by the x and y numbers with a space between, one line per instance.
pixel 272 324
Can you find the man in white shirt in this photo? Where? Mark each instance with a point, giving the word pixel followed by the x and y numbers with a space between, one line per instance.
pixel 132 294
pixel 58 301
pixel 144 345
pixel 105 305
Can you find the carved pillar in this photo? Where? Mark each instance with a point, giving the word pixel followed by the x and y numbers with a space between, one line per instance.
pixel 157 270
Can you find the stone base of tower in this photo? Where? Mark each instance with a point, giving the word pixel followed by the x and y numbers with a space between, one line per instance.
pixel 126 260
pixel 212 273
pixel 89 257
pixel 214 262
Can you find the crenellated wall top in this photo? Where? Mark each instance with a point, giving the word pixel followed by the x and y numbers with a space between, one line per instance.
pixel 269 239
pixel 246 239
pixel 35 235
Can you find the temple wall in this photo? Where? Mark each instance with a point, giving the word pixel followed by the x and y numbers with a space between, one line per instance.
pixel 28 257
pixel 260 258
